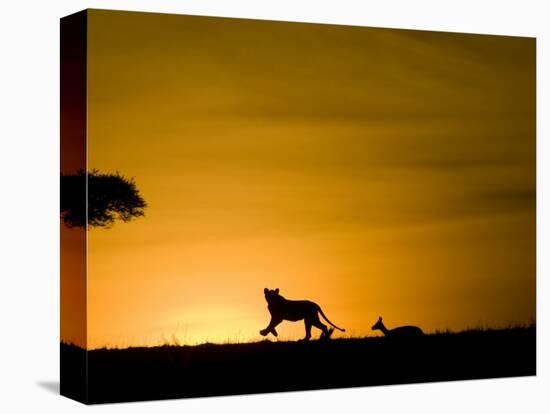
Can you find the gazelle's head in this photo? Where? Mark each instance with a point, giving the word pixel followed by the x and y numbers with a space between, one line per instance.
pixel 378 324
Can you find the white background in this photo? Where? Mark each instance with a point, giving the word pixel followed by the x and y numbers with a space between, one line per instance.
pixel 29 193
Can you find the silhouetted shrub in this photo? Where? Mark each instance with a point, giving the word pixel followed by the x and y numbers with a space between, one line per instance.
pixel 110 197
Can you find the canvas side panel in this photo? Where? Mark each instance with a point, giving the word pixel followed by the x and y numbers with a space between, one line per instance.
pixel 73 98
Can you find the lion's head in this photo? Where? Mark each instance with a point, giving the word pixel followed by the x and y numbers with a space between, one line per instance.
pixel 272 295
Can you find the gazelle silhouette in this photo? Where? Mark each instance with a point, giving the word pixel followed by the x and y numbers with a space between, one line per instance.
pixel 401 331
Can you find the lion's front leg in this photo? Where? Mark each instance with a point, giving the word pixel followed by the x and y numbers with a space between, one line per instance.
pixel 271 327
pixel 308 330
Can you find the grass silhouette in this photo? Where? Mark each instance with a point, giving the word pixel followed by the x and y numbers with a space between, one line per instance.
pixel 176 371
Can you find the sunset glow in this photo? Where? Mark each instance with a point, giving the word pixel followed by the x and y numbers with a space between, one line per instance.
pixel 373 171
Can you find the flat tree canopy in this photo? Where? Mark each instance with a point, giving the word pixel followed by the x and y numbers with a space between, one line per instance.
pixel 110 197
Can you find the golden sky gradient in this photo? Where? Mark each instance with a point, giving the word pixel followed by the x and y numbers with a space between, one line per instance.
pixel 374 171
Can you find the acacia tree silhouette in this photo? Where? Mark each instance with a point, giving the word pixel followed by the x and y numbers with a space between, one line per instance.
pixel 110 197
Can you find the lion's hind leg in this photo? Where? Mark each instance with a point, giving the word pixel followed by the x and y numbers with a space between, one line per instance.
pixel 326 332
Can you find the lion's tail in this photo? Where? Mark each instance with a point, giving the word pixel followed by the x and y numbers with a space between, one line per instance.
pixel 326 319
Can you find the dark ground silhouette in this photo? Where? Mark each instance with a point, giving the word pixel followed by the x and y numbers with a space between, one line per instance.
pixel 209 370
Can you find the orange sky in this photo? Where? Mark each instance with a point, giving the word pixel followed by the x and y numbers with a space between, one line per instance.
pixel 376 172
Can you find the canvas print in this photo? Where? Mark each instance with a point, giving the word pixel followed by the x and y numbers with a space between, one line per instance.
pixel 256 206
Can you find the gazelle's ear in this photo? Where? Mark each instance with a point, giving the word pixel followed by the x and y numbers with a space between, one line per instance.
pixel 277 290
pixel 266 290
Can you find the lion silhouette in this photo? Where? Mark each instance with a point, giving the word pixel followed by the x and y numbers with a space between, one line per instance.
pixel 282 309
